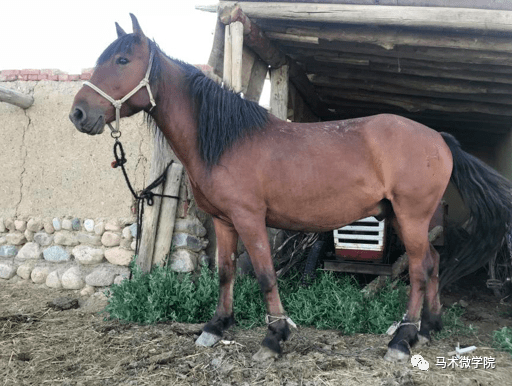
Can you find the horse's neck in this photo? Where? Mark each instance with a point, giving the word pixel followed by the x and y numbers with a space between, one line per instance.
pixel 175 119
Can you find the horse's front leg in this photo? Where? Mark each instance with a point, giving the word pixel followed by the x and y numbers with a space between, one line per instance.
pixel 227 238
pixel 254 235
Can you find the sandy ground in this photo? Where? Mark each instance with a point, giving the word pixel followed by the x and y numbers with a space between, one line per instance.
pixel 40 345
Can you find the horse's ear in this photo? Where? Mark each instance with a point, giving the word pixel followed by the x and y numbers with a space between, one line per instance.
pixel 120 31
pixel 136 27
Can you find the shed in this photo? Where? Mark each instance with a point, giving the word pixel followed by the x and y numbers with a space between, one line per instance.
pixel 444 63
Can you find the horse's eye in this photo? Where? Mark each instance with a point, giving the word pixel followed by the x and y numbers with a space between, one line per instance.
pixel 122 60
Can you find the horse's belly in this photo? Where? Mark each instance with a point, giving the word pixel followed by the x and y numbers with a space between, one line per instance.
pixel 324 216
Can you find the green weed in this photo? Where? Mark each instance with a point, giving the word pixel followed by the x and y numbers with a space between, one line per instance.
pixel 502 339
pixel 330 302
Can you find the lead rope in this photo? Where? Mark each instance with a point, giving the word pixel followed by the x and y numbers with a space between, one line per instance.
pixel 146 194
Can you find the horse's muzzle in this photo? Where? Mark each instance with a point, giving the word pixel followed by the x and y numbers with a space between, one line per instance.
pixel 91 124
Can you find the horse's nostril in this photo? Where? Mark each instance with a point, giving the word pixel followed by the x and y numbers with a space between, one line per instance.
pixel 79 114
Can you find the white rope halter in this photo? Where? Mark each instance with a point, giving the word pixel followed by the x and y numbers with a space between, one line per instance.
pixel 118 103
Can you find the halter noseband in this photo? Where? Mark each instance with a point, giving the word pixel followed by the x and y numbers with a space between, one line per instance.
pixel 118 103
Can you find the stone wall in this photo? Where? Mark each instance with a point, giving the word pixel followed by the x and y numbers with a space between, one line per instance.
pixel 66 217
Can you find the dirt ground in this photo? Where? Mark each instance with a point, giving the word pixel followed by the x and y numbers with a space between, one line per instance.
pixel 40 345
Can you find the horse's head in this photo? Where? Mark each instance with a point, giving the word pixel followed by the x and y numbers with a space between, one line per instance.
pixel 119 71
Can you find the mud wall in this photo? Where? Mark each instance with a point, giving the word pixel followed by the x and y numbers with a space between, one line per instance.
pixel 66 216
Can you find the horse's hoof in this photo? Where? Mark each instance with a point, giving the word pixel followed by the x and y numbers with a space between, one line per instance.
pixel 422 341
pixel 263 354
pixel 207 339
pixel 395 355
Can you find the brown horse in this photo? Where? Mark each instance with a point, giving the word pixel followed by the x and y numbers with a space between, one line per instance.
pixel 250 170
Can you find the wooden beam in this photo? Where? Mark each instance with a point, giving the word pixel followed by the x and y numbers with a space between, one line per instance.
pixel 403 16
pixel 167 217
pixel 343 58
pixel 15 98
pixel 420 87
pixel 389 38
pixel 279 92
pixel 407 52
pixel 328 68
pixel 478 4
pixel 415 104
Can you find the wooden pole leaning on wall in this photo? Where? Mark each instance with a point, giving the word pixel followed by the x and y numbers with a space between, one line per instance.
pixel 15 98
pixel 237 45
pixel 160 159
pixel 167 217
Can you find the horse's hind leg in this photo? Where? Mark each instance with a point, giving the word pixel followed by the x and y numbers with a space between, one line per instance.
pixel 414 234
pixel 431 314
pixel 227 238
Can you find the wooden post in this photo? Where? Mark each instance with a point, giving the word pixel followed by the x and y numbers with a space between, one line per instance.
pixel 237 44
pixel 160 159
pixel 167 217
pixel 226 77
pixel 15 98
pixel 279 92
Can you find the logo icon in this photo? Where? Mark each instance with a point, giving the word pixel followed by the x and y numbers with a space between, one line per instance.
pixel 418 361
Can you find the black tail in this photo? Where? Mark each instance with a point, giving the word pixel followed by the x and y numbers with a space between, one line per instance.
pixel 488 196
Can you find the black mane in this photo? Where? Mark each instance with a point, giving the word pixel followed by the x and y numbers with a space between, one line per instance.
pixel 222 117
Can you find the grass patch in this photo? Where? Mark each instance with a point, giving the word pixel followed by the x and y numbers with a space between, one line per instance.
pixel 330 302
pixel 453 325
pixel 502 339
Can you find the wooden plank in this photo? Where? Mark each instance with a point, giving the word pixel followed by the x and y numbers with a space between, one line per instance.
pixel 477 4
pixel 228 62
pixel 237 43
pixel 15 98
pixel 357 267
pixel 257 80
pixel 404 16
pixel 279 92
pixel 167 217
pixel 159 161
pixel 216 59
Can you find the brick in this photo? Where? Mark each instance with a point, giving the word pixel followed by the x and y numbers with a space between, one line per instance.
pixel 10 72
pixel 42 77
pixel 33 76
pixel 74 77
pixel 12 77
pixel 30 72
pixel 53 77
pixel 22 77
pixel 50 71
pixel 63 77
pixel 85 76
